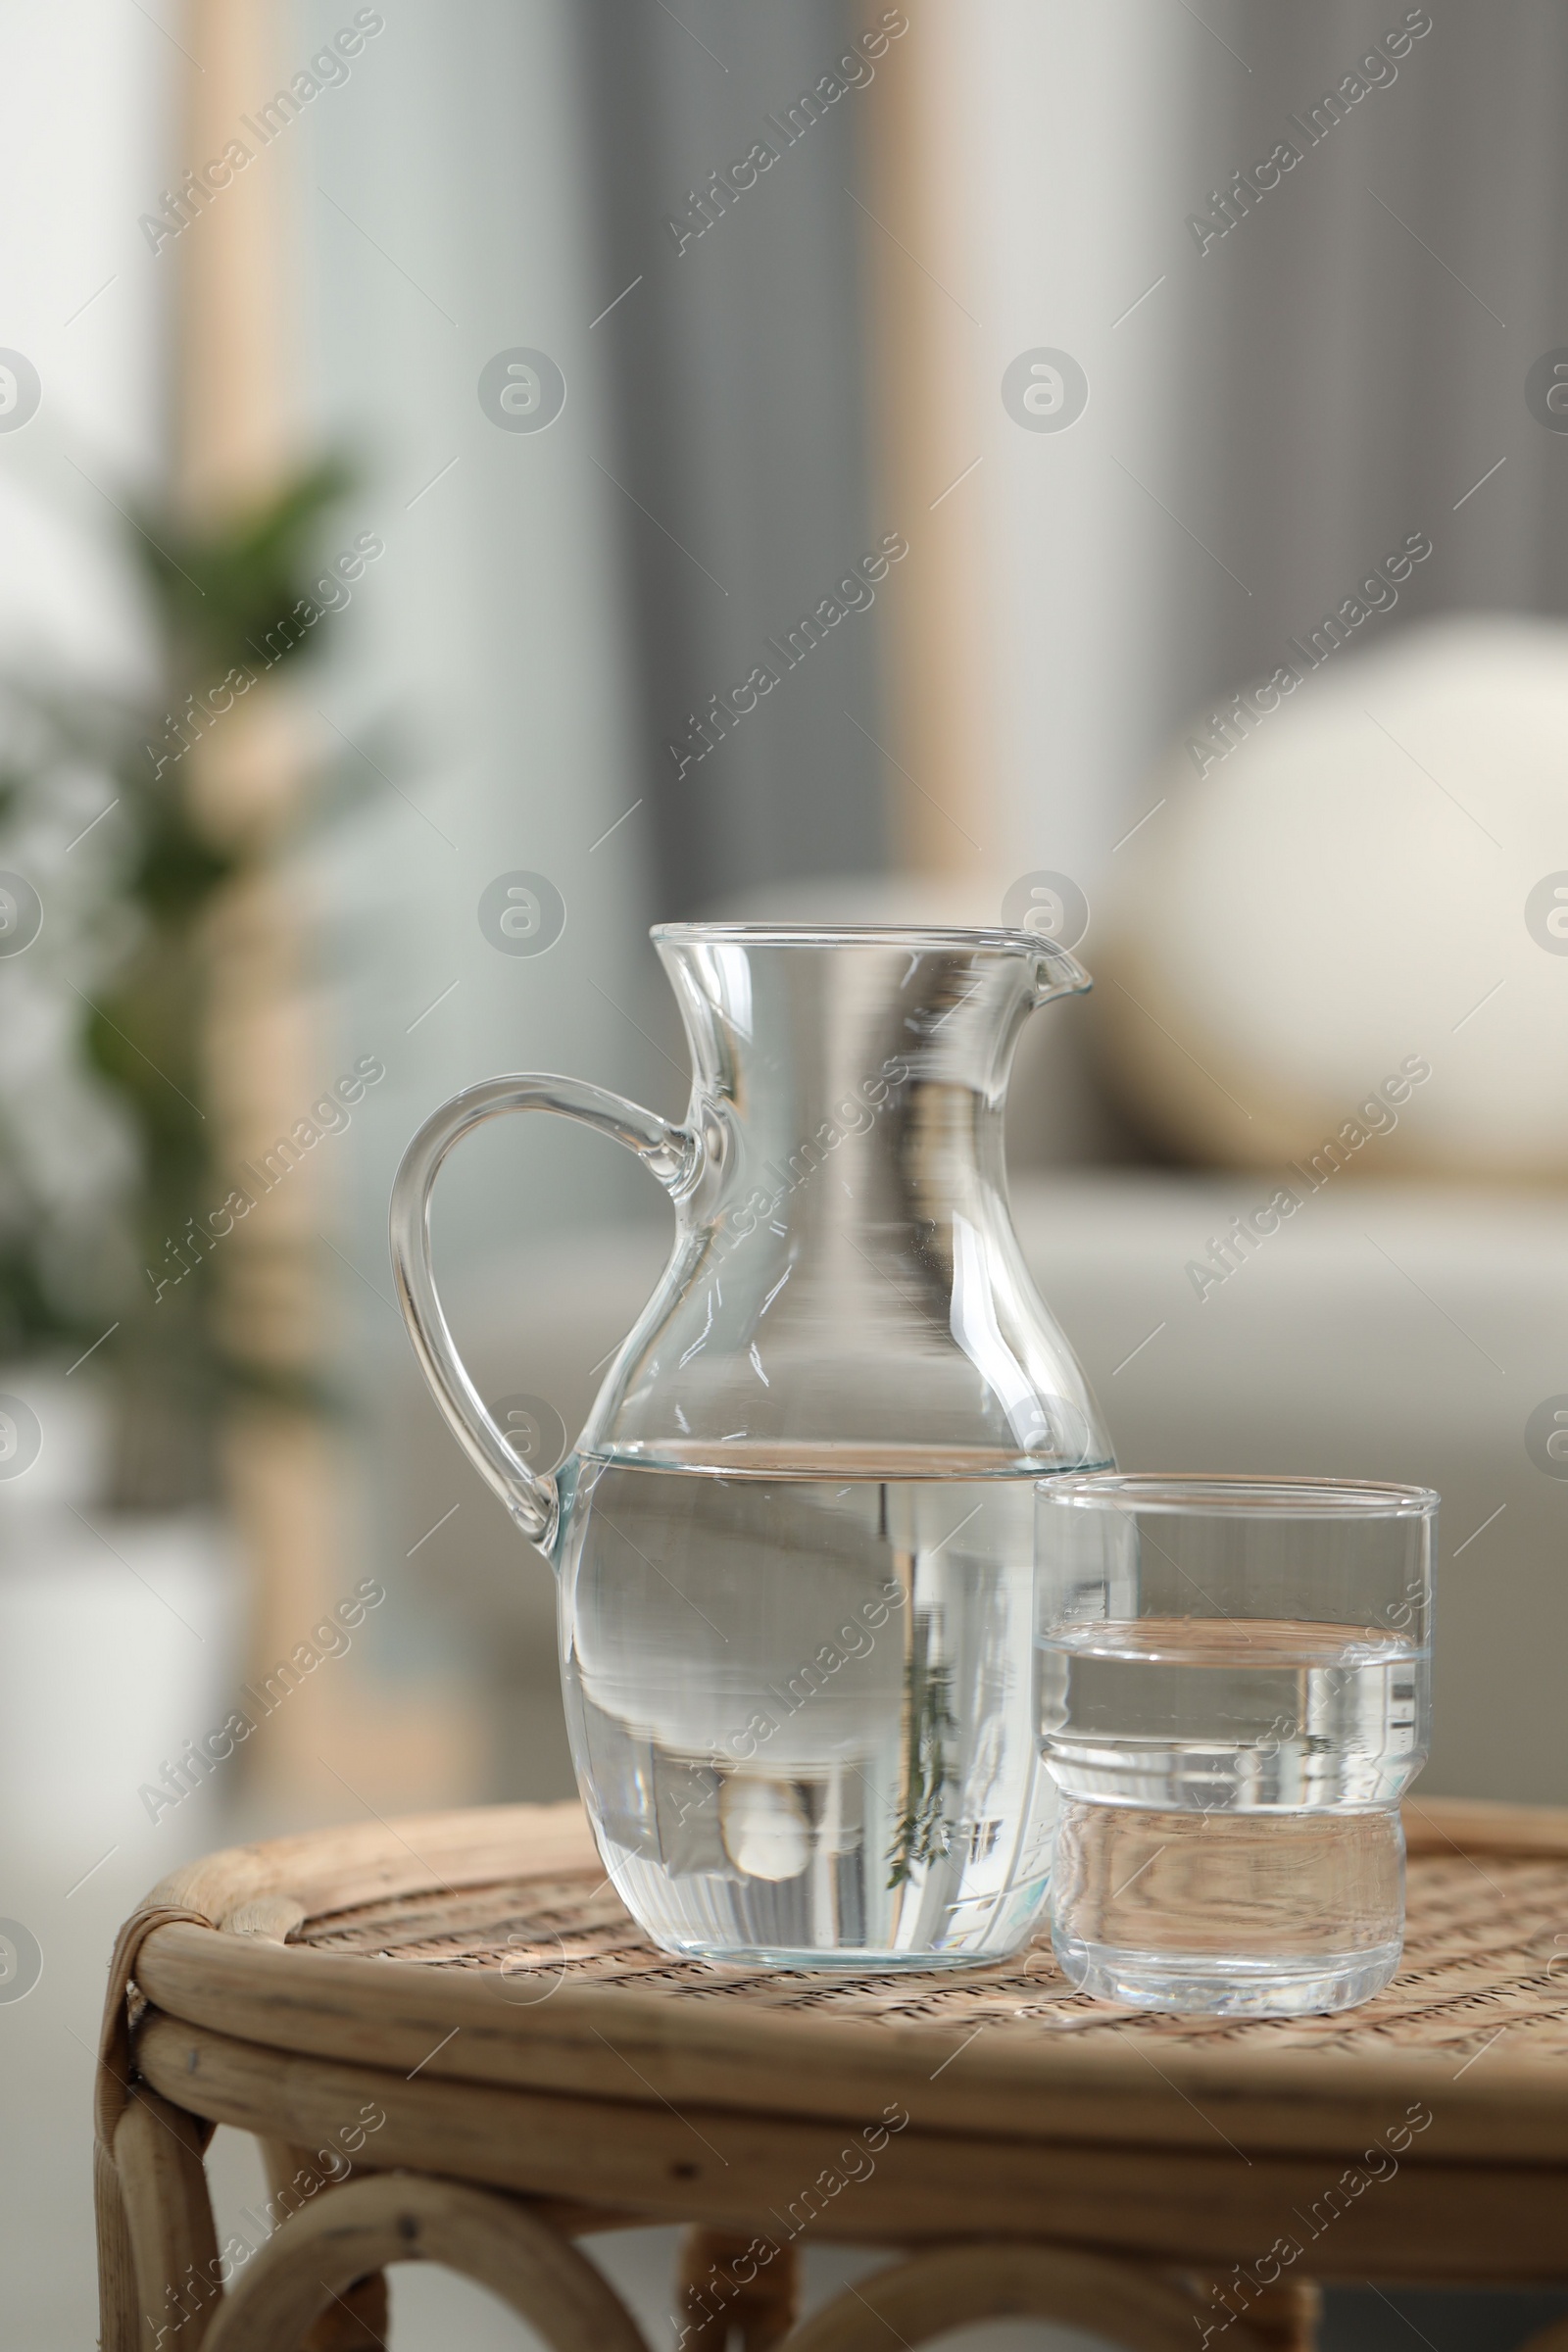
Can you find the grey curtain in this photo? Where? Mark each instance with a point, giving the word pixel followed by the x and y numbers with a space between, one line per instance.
pixel 739 365
pixel 1351 344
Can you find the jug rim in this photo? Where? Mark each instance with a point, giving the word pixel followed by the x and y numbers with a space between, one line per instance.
pixel 895 935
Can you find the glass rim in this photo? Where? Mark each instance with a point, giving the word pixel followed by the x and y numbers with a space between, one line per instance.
pixel 1225 1494
pixel 856 935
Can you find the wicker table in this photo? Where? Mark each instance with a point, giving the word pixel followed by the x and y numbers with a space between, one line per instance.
pixel 456 2047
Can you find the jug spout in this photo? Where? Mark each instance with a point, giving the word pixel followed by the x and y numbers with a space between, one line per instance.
pixel 1058 975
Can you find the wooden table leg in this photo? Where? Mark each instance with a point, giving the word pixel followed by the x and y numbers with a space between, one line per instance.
pixel 1283 2315
pixel 157 2154
pixel 729 2280
pixel 119 2301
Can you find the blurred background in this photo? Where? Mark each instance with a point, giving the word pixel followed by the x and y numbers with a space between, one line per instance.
pixel 1099 467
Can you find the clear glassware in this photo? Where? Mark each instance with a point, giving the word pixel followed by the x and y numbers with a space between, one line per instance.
pixel 795 1540
pixel 1233 1679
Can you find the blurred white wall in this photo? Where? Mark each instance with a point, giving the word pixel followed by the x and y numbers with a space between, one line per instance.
pixel 443 216
pixel 85 108
pixel 1066 137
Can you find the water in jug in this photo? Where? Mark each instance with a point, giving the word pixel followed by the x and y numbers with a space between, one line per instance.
pixel 794 1541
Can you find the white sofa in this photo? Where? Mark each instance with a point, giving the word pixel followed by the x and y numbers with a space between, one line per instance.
pixel 1387 1331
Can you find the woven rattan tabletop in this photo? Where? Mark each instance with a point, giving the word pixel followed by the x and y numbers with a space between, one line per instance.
pixel 499 1930
pixel 1485 1956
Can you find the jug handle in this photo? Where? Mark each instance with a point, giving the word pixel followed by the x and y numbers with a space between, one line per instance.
pixel 672 1152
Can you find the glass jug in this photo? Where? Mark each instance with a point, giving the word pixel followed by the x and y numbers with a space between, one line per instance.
pixel 794 1541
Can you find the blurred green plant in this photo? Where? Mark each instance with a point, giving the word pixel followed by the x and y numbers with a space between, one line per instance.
pixel 228 603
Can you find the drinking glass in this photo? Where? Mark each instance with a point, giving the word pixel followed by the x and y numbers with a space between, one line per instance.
pixel 1233 1685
